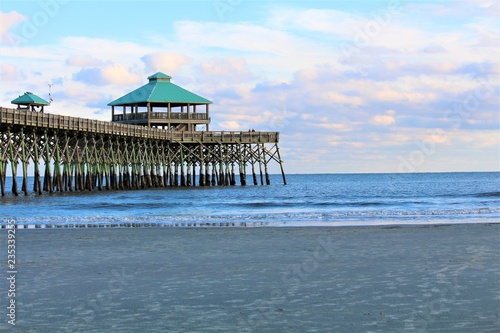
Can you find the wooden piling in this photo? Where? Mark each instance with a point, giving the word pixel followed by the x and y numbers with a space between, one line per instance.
pixel 242 166
pixel 181 165
pixel 47 178
pixel 3 170
pixel 189 178
pixel 24 186
pixel 37 184
pixel 201 179
pixel 24 161
pixel 281 164
pixel 254 175
pixel 71 171
pixel 165 174
pixel 207 174
pixel 233 175
pixel 214 175
pixel 260 164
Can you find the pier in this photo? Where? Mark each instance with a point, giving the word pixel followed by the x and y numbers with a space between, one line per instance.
pixel 135 150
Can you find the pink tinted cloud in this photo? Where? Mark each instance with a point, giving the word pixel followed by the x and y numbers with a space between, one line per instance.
pixel 7 21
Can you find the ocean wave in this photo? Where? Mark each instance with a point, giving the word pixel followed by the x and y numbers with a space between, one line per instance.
pixel 488 194
pixel 268 217
pixel 276 204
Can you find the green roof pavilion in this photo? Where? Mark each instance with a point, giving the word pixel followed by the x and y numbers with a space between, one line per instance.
pixel 160 103
pixel 30 101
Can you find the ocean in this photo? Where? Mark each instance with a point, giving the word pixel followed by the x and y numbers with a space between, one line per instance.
pixel 307 200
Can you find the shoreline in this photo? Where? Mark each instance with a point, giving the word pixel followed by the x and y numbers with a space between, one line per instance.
pixel 345 279
pixel 198 225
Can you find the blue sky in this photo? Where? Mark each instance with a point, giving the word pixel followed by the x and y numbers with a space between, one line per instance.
pixel 353 86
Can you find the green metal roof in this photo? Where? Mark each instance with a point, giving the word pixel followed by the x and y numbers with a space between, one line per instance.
pixel 30 99
pixel 161 91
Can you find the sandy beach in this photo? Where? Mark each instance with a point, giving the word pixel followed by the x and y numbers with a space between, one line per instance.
pixel 345 279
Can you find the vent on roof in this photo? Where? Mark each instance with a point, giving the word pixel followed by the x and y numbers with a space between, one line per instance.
pixel 159 77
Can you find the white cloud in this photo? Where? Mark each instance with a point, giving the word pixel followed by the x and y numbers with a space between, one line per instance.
pixel 114 74
pixel 107 50
pixel 10 72
pixel 385 120
pixel 338 98
pixel 77 95
pixel 228 68
pixel 268 50
pixel 84 61
pixel 440 138
pixel 7 21
pixel 231 126
pixel 167 62
pixel 240 37
pixel 319 20
pixel 334 127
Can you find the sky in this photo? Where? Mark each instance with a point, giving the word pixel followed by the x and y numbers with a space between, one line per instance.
pixel 352 86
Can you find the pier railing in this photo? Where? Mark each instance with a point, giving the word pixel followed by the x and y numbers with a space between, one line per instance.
pixel 17 118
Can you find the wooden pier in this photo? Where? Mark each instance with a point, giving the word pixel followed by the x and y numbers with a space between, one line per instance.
pixel 156 144
pixel 77 154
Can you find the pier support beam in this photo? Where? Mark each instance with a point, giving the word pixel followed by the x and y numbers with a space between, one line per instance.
pixel 13 166
pixel 24 161
pixel 3 167
pixel 3 171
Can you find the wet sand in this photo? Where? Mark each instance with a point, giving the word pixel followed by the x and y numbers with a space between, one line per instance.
pixel 344 279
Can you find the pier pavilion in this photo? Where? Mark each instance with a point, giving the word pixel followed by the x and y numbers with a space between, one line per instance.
pixel 154 141
pixel 30 102
pixel 162 104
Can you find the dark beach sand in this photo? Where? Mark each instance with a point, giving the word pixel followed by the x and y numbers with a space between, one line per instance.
pixel 345 279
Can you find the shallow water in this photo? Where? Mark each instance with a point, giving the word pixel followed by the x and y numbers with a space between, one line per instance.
pixel 307 200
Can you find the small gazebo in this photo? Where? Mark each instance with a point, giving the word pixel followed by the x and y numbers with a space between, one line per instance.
pixel 162 104
pixel 30 102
